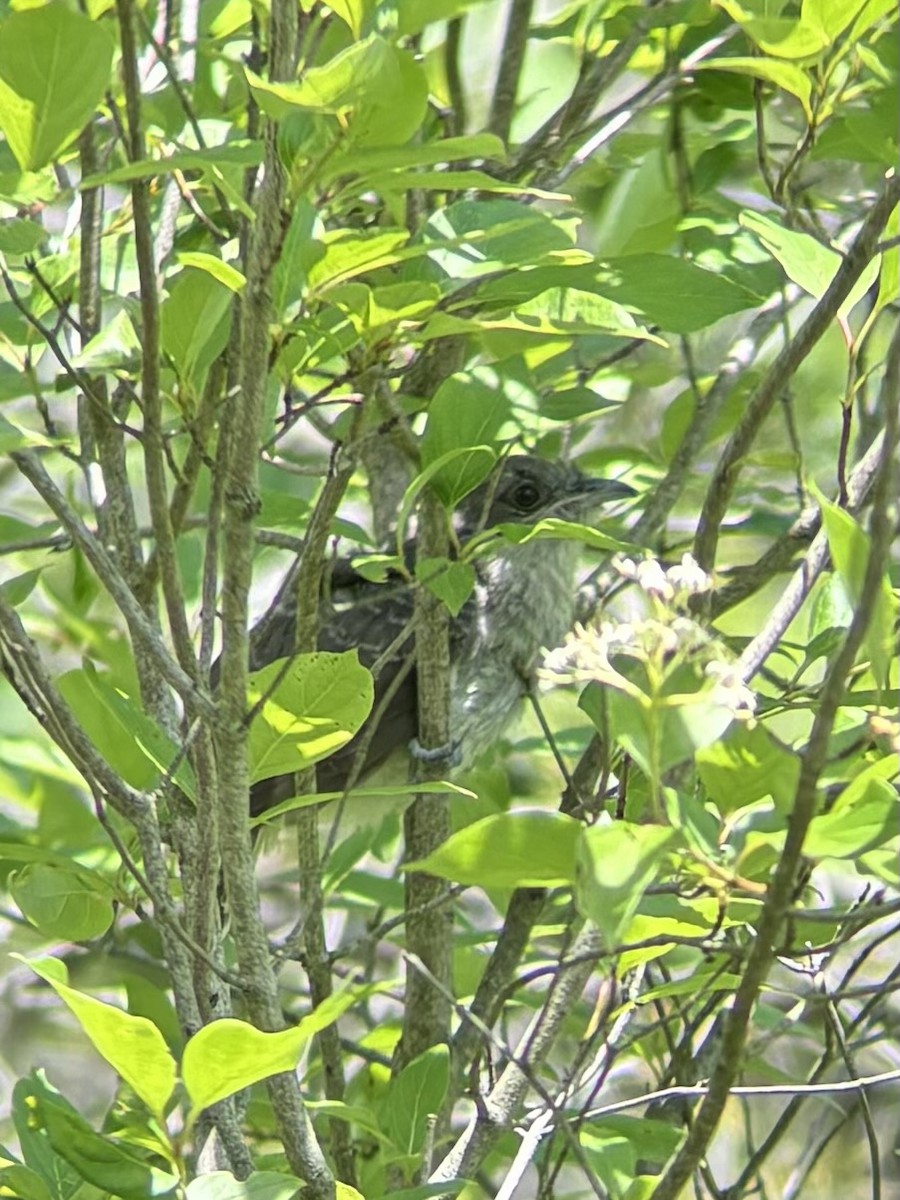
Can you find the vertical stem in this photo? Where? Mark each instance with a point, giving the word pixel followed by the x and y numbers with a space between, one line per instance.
pixel 154 451
pixel 309 862
pixel 243 435
pixel 429 923
pixel 512 56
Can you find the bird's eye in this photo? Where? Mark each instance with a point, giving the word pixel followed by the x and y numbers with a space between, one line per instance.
pixel 526 496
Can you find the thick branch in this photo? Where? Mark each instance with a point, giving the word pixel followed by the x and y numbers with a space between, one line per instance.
pixel 426 824
pixel 241 462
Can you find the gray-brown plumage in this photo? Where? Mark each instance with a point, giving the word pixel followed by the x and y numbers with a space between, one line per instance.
pixel 522 603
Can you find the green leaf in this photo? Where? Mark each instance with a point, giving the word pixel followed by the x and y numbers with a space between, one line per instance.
pixel 222 271
pixel 317 707
pixel 478 236
pixel 463 413
pixel 857 789
pixel 54 69
pixel 228 1055
pixel 616 863
pixel 831 16
pixel 395 106
pixel 866 824
pixel 376 163
pixel 616 1144
pixel 782 36
pixel 414 15
pixel 352 12
pixel 568 404
pixel 195 324
pixel 377 311
pixel 468 463
pixel 416 1094
pixel 382 88
pixel 675 293
pixel 37 1152
pixel 849 547
pixel 452 582
pixel 453 181
pixel 129 741
pixel 116 344
pixel 260 1185
pixel 660 724
pixel 746 766
pixel 785 75
pixel 23 1183
pixel 239 154
pixel 437 788
pixel 889 279
pixel 806 261
pixel 344 253
pixel 19 587
pixel 132 1046
pixel 13 438
pixel 18 236
pixel 530 848
pixel 554 529
pixel 519 333
pixel 870 14
pixel 99 1160
pixel 427 1190
pixel 61 902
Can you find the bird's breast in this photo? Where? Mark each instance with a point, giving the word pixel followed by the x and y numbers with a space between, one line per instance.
pixel 523 603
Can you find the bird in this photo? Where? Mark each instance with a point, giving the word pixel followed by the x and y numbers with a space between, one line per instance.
pixel 522 603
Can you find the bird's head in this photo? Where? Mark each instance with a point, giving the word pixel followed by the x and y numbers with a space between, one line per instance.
pixel 524 489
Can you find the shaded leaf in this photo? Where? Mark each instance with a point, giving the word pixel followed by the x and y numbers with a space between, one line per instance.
pixel 616 863
pixel 63 903
pixel 417 1093
pixel 129 741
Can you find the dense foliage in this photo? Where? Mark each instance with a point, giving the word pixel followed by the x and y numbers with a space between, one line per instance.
pixel 279 279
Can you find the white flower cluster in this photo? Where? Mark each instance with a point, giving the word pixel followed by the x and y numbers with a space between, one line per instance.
pixel 674 586
pixel 663 641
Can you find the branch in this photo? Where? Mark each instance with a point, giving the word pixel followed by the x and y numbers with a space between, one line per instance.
pixel 242 434
pixel 780 890
pixel 782 369
pixel 817 557
pixel 151 397
pixel 500 1107
pixel 307 592
pixel 143 633
pixel 426 823
pixel 524 909
pixel 596 76
pixel 708 406
pixel 100 435
pixel 459 115
pixel 511 57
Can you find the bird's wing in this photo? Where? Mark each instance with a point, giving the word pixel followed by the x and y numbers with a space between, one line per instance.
pixel 372 619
